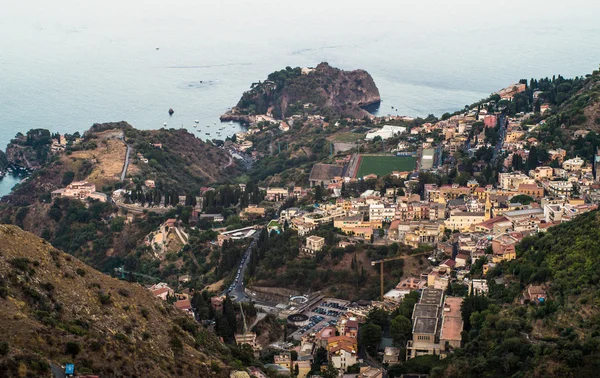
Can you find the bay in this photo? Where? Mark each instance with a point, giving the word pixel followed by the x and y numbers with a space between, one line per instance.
pixel 65 65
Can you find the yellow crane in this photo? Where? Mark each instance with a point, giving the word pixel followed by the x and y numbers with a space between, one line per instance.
pixel 381 261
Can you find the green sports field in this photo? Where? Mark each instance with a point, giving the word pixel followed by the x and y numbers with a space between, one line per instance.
pixel 384 165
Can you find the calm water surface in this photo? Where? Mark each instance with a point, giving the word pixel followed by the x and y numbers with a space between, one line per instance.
pixel 67 64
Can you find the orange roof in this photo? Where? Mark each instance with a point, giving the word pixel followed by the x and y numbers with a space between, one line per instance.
pixel 160 291
pixel 183 304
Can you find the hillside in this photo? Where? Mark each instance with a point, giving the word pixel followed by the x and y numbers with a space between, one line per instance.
pixel 178 159
pixel 182 162
pixel 55 309
pixel 560 337
pixel 324 90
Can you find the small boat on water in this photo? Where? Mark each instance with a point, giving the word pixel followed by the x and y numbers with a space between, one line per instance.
pixel 207 133
pixel 197 121
pixel 165 124
pixel 231 122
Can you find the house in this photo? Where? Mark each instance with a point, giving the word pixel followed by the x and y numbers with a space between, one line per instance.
pixel 535 294
pixel 163 293
pixel 80 190
pixel 248 338
pixel 284 360
pixel 462 221
pixel 185 306
pixel 253 211
pixel 342 356
pixel 277 194
pixel 391 355
pixel 313 245
pixel 303 368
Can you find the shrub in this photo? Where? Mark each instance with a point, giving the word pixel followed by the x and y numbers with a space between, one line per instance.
pixel 145 312
pixel 104 298
pixel 80 272
pixel 72 348
pixel 146 335
pixel 123 292
pixel 4 349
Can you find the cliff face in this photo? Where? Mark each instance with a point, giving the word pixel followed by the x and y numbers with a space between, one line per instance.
pixel 324 90
pixel 3 160
pixel 55 309
pixel 31 150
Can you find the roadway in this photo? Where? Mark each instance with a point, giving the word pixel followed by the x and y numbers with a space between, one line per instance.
pixel 126 165
pixel 237 292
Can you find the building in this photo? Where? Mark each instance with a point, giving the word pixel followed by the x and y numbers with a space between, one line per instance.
pixel 322 174
pixel 531 190
pixel 512 180
pixel 386 132
pixel 437 325
pixel 574 164
pixel 80 190
pixel 248 338
pixel 462 221
pixel 185 306
pixel 541 173
pixel 217 303
pixel 560 188
pixel 313 245
pixel 283 360
pixel 391 355
pixel 277 194
pixel 342 356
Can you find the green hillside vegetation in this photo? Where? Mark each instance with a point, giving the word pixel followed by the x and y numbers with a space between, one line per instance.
pixel 557 338
pixel 341 272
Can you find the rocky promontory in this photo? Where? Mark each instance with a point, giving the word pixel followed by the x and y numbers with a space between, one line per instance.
pixel 323 90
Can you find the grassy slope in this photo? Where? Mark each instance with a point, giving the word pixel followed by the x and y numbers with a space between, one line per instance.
pixel 51 299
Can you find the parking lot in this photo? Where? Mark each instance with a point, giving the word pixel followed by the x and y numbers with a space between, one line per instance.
pixel 323 314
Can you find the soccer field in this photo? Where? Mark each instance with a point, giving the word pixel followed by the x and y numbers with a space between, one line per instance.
pixel 384 165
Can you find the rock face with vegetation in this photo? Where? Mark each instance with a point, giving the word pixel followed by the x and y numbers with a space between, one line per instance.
pixel 3 160
pixel 56 310
pixel 178 159
pixel 324 90
pixel 31 150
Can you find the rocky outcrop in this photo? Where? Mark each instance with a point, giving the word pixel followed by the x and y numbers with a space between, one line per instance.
pixel 3 161
pixel 324 90
pixel 29 151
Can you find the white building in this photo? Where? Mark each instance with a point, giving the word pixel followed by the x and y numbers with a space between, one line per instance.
pixel 386 132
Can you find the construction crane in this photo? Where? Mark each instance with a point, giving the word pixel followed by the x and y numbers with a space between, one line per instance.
pixel 381 261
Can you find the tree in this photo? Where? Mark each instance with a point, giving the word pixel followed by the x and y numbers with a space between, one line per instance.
pixel 381 232
pixel 400 328
pixel 68 178
pixel 370 336
pixel 318 193
pixel 379 317
pixel 330 372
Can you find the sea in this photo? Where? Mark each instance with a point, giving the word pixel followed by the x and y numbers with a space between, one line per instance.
pixel 67 64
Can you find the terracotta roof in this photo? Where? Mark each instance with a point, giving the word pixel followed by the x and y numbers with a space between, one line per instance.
pixel 163 290
pixel 183 304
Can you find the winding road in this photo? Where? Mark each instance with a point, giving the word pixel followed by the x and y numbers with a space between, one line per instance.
pixel 126 165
